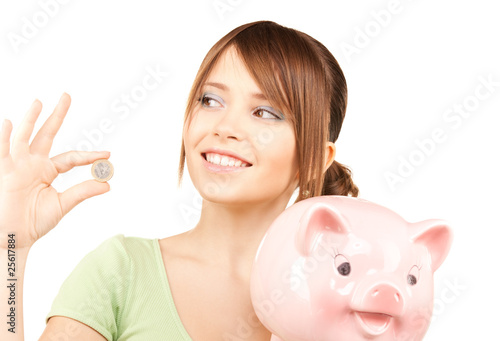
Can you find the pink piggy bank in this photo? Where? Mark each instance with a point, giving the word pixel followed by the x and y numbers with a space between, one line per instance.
pixel 335 268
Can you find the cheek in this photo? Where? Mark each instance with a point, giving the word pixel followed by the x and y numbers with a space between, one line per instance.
pixel 193 131
pixel 416 321
pixel 277 147
pixel 287 159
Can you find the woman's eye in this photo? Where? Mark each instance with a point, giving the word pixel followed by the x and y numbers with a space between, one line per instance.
pixel 264 113
pixel 210 101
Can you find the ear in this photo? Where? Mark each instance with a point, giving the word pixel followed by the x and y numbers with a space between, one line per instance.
pixel 330 151
pixel 436 236
pixel 315 221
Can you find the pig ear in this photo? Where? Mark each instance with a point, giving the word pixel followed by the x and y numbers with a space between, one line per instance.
pixel 436 236
pixel 316 220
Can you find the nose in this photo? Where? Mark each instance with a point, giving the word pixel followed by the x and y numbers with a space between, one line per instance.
pixel 384 298
pixel 229 125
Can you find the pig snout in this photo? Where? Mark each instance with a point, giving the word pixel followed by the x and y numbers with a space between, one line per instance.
pixel 383 298
pixel 376 307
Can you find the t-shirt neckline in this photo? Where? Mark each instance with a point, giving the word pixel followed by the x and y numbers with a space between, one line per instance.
pixel 168 292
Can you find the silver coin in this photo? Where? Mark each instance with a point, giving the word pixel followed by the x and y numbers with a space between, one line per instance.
pixel 102 170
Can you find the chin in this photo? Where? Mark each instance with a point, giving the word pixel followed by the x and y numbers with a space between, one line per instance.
pixel 230 198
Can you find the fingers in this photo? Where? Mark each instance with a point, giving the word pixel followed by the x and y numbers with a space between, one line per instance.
pixel 42 142
pixel 87 189
pixel 5 138
pixel 5 159
pixel 66 161
pixel 78 193
pixel 22 136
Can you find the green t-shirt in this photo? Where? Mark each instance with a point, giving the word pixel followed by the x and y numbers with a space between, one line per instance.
pixel 121 290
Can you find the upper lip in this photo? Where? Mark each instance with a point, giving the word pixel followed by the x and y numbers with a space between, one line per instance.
pixel 226 152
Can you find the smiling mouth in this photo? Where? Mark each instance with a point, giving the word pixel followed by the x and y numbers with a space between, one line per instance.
pixel 373 323
pixel 224 160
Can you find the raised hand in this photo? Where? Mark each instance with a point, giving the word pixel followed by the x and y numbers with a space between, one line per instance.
pixel 29 206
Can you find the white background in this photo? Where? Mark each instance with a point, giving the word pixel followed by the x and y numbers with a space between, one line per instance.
pixel 404 79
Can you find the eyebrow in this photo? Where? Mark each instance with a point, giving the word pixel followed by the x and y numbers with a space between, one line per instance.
pixel 224 87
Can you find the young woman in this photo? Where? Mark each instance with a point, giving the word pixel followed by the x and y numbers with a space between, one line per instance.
pixel 262 117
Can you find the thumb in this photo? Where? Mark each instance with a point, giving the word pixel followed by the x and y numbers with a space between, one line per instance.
pixel 78 193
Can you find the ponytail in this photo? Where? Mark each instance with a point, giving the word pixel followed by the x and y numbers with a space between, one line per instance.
pixel 338 181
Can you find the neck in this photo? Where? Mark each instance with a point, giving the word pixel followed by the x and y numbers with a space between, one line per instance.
pixel 228 236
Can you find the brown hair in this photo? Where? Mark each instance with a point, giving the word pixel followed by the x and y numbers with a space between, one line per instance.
pixel 301 77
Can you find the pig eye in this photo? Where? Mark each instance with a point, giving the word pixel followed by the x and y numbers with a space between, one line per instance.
pixel 413 275
pixel 342 264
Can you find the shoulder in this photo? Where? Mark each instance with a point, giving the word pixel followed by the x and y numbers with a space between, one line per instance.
pixel 123 246
pixel 97 292
pixel 115 255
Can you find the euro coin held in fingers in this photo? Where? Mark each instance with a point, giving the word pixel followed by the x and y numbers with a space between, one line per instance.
pixel 102 170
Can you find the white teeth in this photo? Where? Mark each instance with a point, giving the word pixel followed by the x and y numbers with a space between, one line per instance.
pixel 224 160
pixel 216 159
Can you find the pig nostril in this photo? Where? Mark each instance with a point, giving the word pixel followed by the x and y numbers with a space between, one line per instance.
pixel 396 296
pixel 375 293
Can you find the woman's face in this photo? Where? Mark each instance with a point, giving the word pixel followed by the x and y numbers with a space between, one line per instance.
pixel 239 149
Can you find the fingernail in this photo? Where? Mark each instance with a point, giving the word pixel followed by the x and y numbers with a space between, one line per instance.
pixel 64 94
